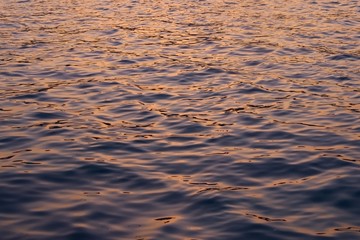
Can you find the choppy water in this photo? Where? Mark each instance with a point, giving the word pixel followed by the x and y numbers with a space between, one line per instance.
pixel 179 119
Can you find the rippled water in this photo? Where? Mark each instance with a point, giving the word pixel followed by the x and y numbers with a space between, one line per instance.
pixel 169 119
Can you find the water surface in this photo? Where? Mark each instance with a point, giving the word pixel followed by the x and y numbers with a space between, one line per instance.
pixel 169 119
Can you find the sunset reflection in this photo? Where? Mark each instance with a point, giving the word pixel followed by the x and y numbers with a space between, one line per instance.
pixel 179 119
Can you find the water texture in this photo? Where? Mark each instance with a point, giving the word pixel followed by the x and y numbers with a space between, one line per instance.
pixel 179 119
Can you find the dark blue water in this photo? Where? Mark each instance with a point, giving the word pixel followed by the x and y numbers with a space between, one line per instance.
pixel 171 119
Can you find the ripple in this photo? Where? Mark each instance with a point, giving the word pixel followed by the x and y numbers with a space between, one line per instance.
pixel 179 120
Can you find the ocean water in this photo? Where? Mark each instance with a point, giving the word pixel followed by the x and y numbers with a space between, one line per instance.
pixel 179 119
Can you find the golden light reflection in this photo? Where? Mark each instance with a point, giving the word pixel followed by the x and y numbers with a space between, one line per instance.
pixel 179 119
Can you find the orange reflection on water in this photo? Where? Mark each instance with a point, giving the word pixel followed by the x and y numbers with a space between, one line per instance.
pixel 179 119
